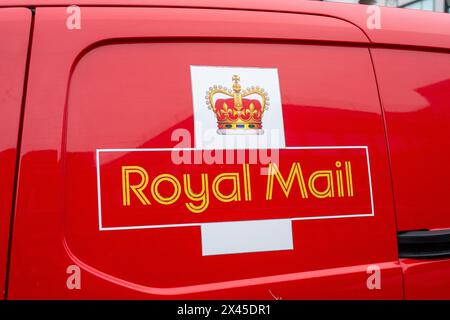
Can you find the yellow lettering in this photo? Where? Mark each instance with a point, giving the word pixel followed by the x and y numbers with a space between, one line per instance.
pixel 137 189
pixel 329 190
pixel 247 185
pixel 348 175
pixel 286 185
pixel 203 196
pixel 235 195
pixel 340 183
pixel 176 186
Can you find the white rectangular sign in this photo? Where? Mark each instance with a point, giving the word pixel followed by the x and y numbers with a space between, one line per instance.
pixel 246 236
pixel 237 108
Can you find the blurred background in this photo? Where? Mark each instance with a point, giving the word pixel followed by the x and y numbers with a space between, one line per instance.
pixel 430 5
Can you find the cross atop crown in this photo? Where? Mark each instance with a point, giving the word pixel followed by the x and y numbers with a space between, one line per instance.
pixel 236 85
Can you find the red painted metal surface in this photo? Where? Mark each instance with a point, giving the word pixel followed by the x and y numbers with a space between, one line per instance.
pixel 398 26
pixel 415 92
pixel 109 89
pixel 14 32
pixel 426 279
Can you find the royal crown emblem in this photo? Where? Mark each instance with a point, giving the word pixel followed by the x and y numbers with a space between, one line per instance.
pixel 238 111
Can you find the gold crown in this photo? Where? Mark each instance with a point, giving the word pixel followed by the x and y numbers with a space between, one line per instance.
pixel 238 109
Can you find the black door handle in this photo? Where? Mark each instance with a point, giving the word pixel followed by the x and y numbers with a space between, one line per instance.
pixel 424 244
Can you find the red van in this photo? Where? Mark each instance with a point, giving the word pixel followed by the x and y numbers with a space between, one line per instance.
pixel 223 150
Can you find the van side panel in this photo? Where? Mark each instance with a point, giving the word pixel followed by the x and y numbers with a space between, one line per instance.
pixel 124 81
pixel 14 34
pixel 415 93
